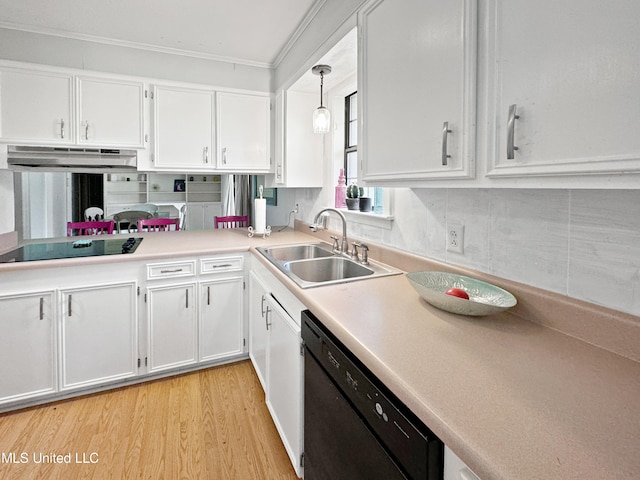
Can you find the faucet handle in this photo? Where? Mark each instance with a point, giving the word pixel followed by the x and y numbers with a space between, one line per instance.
pixel 354 251
pixel 336 245
pixel 365 254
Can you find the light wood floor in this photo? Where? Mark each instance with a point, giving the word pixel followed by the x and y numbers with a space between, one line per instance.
pixel 211 424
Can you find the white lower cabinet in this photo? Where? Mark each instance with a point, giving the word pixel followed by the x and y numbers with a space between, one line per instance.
pixel 143 321
pixel 221 328
pixel 98 334
pixel 171 326
pixel 27 346
pixel 275 349
pixel 456 469
pixel 284 378
pixel 257 327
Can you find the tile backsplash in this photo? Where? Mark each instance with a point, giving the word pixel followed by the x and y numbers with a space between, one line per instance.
pixel 581 243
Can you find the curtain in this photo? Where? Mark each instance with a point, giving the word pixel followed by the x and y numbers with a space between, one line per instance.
pixel 229 198
pixel 243 195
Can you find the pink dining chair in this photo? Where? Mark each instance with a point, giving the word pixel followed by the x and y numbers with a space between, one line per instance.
pixel 232 221
pixel 158 224
pixel 90 228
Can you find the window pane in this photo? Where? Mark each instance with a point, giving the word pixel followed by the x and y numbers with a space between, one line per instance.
pixel 352 167
pixel 353 106
pixel 353 133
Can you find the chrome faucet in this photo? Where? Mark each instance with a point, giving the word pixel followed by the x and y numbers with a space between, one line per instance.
pixel 314 226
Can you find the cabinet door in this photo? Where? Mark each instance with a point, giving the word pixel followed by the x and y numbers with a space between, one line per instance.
pixel 258 327
pixel 36 106
pixel 172 316
pixel 110 112
pixel 284 378
pixel 299 163
pixel 98 334
pixel 195 216
pixel 200 215
pixel 221 314
pixel 210 210
pixel 183 129
pixel 570 70
pixel 417 77
pixel 243 132
pixel 27 346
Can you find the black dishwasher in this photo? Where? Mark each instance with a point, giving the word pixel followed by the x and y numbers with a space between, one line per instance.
pixel 354 427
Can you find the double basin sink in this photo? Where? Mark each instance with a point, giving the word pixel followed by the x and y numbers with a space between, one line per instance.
pixel 315 264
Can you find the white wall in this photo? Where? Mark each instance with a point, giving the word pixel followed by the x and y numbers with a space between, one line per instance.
pixel 7 221
pixel 71 53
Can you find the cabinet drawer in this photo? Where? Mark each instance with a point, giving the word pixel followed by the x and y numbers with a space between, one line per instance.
pixel 221 264
pixel 185 268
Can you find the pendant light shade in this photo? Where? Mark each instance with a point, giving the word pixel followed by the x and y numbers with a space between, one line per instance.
pixel 321 120
pixel 321 115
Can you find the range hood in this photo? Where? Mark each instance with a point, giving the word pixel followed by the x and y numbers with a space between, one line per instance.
pixel 55 159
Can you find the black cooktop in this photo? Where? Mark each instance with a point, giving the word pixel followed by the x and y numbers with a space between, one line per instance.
pixel 84 247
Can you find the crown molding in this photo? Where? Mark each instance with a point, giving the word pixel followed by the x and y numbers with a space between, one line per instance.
pixel 134 45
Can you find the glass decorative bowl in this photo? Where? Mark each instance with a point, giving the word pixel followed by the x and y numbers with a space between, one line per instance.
pixel 484 298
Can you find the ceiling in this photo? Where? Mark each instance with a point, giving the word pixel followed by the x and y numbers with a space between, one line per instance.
pixel 343 60
pixel 252 32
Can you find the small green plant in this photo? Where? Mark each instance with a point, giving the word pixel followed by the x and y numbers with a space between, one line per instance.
pixel 353 191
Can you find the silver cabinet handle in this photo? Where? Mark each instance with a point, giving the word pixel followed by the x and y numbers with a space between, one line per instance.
pixel 262 307
pixel 208 294
pixel 69 306
pixel 224 155
pixel 266 318
pixel 86 129
pixel 62 128
pixel 206 154
pixel 177 270
pixel 445 133
pixel 41 308
pixel 187 298
pixel 511 127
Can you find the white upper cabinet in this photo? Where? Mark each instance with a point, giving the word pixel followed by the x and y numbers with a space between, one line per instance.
pixel 298 151
pixel 183 129
pixel 243 132
pixel 417 85
pixel 36 106
pixel 110 112
pixel 566 98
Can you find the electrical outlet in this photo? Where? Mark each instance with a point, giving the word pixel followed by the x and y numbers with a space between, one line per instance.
pixel 296 209
pixel 455 237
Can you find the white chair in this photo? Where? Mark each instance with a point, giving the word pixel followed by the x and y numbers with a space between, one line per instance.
pixel 93 214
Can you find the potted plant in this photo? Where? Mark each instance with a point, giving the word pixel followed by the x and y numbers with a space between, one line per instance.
pixel 365 203
pixel 353 192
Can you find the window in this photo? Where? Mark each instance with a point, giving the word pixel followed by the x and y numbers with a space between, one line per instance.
pixel 351 138
pixel 351 152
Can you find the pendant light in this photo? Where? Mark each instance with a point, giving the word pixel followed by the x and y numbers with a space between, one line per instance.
pixel 321 115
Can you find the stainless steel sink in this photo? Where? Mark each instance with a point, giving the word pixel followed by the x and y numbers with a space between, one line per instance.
pixel 287 253
pixel 315 264
pixel 327 269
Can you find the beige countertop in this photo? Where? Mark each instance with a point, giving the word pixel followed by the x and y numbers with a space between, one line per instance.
pixel 513 398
